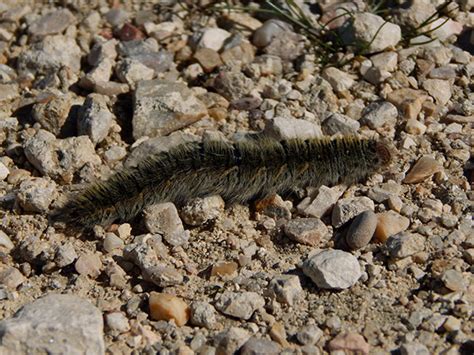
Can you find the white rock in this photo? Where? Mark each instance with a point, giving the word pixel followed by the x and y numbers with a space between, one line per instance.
pixel 288 128
pixel 333 269
pixel 3 171
pixel 338 79
pixel 439 89
pixel 348 208
pixel 213 38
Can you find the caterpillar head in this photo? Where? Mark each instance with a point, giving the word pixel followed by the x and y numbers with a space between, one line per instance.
pixel 384 152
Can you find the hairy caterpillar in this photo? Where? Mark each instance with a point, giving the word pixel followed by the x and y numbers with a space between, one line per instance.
pixel 239 172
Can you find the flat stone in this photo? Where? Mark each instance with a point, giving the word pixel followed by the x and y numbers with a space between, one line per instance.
pixel 415 127
pixel 161 107
pixel 271 29
pixel 285 288
pixel 65 255
pixel 390 223
pixel 454 280
pixel 209 59
pixel 405 244
pixel 439 89
pixel 332 269
pixel 52 23
pixel 339 80
pixel 8 92
pixel 168 307
pixel 5 241
pixel 131 71
pixel 361 231
pixel 367 29
pixel 288 46
pixel 233 85
pixel 54 324
pixel 309 231
pixel 95 118
pixel 239 304
pixel 414 348
pixel 387 61
pixel 323 202
pixel 340 124
pixel 163 219
pixel 117 322
pixel 347 208
pixel 224 268
pixel 201 210
pixel 423 169
pixel 289 128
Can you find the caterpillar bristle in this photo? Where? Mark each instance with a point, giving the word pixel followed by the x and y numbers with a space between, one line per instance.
pixel 239 172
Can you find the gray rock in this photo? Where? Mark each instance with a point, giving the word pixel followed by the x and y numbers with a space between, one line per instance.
pixel 200 210
pixel 117 322
pixel 103 51
pixel 289 128
pixel 233 85
pixel 332 269
pixel 11 278
pixel 160 61
pixel 269 64
pixel 285 288
pixel 54 324
pixel 163 219
pixel 380 115
pixel 323 202
pixel 288 46
pixel 112 242
pixel 52 23
pixel 260 346
pixel 386 61
pixel 414 348
pixel 99 75
pixel 117 16
pixel 361 230
pixel 339 80
pixel 95 118
pixel 50 55
pixel 405 244
pixel 367 29
pixel 271 29
pixel 454 280
pixel 65 255
pixel 309 334
pixel 230 341
pixel 161 107
pixel 36 195
pixel 340 124
pixel 239 304
pixel 158 145
pixel 162 275
pixel 53 114
pixel 115 153
pixel 59 157
pixel 439 89
pixel 308 231
pixel 203 314
pixel 4 172
pixel 131 71
pixel 348 208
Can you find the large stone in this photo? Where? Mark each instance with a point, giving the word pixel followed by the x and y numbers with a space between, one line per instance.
pixel 54 324
pixel 161 107
pixel 95 118
pixel 52 23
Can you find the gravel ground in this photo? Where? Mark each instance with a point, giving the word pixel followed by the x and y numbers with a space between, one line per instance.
pixel 382 266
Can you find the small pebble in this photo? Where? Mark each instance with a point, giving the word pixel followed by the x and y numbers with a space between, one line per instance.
pixel 239 304
pixel 168 307
pixel 11 278
pixel 231 340
pixel 285 288
pixel 3 171
pixel 405 244
pixel 203 314
pixel 309 231
pixel 390 223
pixel 309 335
pixel 347 208
pixel 257 346
pixel 117 321
pixel 5 241
pixel 89 265
pixel 361 230
pixel 332 269
pixel 224 268
pixel 112 242
pixel 454 280
pixel 201 210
